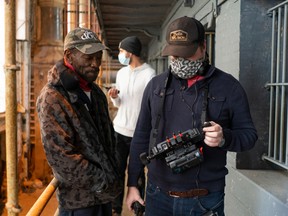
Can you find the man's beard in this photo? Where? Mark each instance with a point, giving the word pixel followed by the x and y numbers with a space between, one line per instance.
pixel 90 75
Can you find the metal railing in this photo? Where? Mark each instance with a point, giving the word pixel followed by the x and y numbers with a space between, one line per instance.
pixel 43 199
pixel 278 125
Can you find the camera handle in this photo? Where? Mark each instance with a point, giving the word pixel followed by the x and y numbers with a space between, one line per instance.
pixel 138 208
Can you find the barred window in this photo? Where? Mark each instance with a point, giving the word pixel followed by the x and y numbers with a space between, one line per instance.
pixel 278 130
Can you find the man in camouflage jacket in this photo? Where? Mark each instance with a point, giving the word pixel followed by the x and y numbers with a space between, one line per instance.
pixel 76 130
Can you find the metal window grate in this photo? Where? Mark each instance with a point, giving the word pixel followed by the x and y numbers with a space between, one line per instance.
pixel 210 46
pixel 278 125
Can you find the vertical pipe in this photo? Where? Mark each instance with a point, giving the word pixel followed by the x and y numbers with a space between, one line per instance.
pixel 83 15
pixel 11 108
pixel 27 78
pixel 71 15
pixel 271 114
pixel 276 120
pixel 285 159
pixel 89 13
pixel 283 95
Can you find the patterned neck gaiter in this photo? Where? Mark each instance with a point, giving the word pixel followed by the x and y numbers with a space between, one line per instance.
pixel 184 68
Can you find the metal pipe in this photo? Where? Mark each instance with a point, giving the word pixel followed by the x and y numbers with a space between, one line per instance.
pixel 284 166
pixel 11 109
pixel 283 94
pixel 277 6
pixel 71 15
pixel 27 90
pixel 277 79
pixel 268 85
pixel 99 16
pixel 83 14
pixel 89 13
pixel 43 199
pixel 285 145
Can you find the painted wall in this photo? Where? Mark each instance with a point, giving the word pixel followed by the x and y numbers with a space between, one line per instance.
pixel 255 64
pixel 227 36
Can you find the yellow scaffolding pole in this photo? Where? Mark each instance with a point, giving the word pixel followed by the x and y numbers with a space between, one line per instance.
pixel 11 109
pixel 44 198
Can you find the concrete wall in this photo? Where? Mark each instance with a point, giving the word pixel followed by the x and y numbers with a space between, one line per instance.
pixel 255 64
pixel 255 192
pixel 227 36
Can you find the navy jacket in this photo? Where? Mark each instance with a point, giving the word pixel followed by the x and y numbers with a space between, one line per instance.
pixel 227 106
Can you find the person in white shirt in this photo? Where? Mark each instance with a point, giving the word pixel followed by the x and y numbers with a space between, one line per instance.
pixel 127 95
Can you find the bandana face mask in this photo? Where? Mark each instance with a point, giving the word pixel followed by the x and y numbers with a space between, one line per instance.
pixel 184 68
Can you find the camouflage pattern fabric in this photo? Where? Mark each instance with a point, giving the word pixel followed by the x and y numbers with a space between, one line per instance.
pixel 83 39
pixel 80 151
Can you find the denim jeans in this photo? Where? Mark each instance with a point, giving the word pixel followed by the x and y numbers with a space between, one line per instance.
pixel 123 147
pixel 159 203
pixel 97 210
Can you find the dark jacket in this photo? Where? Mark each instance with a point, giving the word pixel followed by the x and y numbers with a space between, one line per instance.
pixel 227 106
pixel 78 140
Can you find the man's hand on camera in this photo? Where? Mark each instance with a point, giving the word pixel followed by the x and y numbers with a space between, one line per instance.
pixel 213 135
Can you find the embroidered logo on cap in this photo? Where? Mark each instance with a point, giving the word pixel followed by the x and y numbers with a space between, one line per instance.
pixel 178 35
pixel 88 35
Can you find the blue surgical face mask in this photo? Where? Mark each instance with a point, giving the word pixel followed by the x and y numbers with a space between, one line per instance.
pixel 123 59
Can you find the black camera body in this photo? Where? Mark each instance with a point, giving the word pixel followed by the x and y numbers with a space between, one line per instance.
pixel 138 209
pixel 181 151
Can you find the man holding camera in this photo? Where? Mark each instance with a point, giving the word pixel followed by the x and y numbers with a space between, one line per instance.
pixel 191 96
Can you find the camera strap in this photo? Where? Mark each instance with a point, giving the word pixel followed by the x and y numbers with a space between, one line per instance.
pixel 204 105
pixel 155 130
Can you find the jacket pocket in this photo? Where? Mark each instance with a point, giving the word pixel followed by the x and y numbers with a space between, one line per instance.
pixel 169 96
pixel 110 187
pixel 216 106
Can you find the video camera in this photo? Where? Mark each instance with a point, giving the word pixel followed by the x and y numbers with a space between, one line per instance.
pixel 181 151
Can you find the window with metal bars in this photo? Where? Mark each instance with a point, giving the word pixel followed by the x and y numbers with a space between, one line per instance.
pixel 210 46
pixel 278 124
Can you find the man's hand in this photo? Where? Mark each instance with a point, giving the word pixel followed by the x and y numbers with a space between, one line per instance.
pixel 213 134
pixel 113 92
pixel 133 195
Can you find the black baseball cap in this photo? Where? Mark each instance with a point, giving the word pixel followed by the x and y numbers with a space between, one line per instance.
pixel 183 37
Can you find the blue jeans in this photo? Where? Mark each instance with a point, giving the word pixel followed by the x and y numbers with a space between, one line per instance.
pixel 97 210
pixel 159 203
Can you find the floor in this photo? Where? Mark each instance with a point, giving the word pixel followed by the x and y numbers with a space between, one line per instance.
pixel 27 199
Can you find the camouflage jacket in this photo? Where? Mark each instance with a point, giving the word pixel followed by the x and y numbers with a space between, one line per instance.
pixel 78 140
